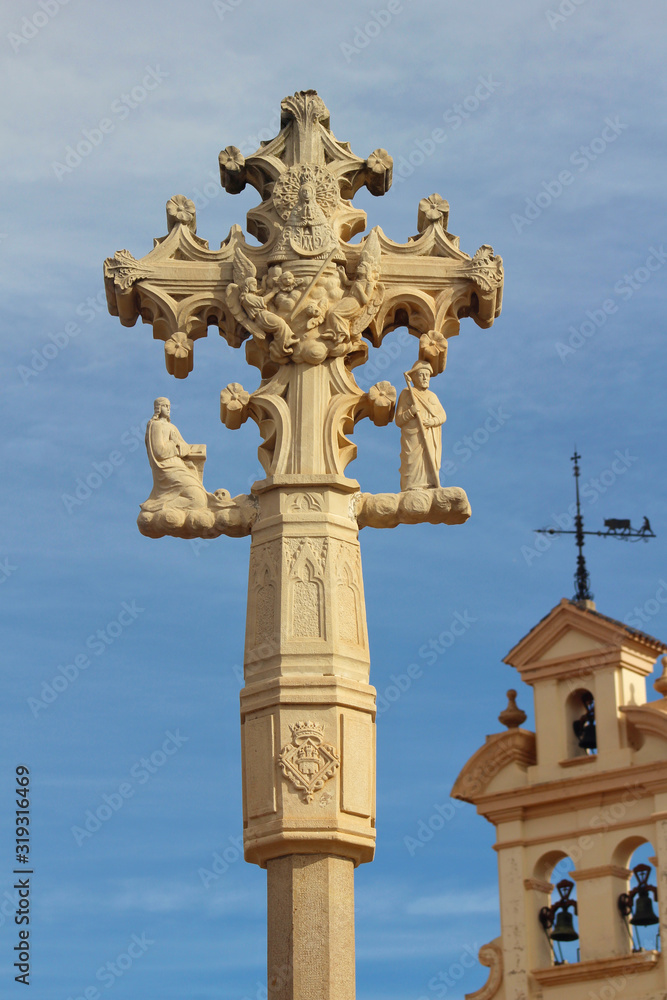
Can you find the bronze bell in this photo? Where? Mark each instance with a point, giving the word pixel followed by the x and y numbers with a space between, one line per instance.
pixel 584 728
pixel 587 737
pixel 563 929
pixel 644 915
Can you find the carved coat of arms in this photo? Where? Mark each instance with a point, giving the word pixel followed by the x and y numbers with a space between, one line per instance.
pixel 308 762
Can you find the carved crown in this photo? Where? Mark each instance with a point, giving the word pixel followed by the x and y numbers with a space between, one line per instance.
pixel 302 730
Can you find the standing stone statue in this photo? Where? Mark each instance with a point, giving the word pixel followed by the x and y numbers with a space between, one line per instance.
pixel 420 416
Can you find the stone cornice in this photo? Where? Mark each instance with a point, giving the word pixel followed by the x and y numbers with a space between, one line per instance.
pixel 500 750
pixel 602 968
pixel 308 690
pixel 650 718
pixel 581 665
pixel 577 761
pixel 601 871
pixel 594 787
pixel 538 885
pixel 565 835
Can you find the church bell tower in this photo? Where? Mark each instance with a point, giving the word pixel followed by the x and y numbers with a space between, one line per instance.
pixel 571 804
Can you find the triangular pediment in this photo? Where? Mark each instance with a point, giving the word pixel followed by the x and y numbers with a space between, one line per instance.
pixel 570 631
pixel 573 632
pixel 571 642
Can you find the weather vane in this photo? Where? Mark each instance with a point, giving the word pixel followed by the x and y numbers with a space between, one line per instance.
pixel 616 528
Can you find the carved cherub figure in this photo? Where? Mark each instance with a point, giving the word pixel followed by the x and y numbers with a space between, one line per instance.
pixel 347 317
pixel 270 279
pixel 250 307
pixel 287 292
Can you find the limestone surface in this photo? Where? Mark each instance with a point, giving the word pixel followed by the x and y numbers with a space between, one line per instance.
pixel 307 303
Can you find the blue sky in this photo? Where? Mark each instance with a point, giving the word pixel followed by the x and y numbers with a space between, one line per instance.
pixel 558 166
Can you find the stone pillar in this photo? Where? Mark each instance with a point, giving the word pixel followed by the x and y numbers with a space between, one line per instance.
pixel 603 933
pixel 513 918
pixel 308 710
pixel 311 927
pixel 660 845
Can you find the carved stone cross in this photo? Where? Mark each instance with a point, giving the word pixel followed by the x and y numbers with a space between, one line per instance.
pixel 307 303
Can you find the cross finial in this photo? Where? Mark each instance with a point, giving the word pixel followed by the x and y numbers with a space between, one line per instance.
pixel 307 303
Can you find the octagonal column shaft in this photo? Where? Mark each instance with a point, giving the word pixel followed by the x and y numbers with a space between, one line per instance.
pixel 308 731
pixel 311 928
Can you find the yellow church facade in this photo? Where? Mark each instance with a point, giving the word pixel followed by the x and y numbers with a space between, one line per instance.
pixel 571 804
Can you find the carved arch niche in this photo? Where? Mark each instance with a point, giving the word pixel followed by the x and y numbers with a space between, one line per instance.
pixel 349 596
pixel 306 559
pixel 264 585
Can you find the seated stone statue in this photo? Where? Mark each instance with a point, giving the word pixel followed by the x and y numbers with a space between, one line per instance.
pixel 177 467
pixel 420 416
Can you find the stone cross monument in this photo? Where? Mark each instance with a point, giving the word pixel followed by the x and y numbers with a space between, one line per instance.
pixel 306 302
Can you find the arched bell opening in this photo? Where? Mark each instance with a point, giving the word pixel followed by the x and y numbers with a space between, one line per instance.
pixel 581 732
pixel 558 915
pixel 638 903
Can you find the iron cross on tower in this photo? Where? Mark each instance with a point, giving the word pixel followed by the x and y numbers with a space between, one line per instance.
pixel 616 528
pixel 306 303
